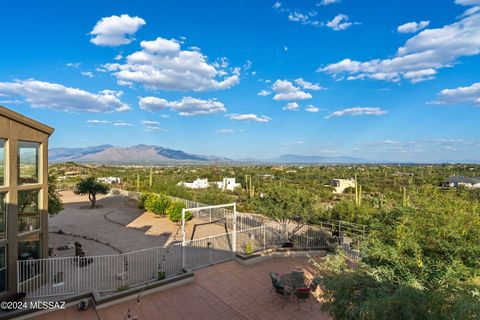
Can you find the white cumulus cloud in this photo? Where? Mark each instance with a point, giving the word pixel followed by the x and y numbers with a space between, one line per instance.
pixel 98 121
pixel 462 95
pixel 161 64
pixel 357 111
pixel 264 93
pixel 329 2
pixel 150 122
pixel 412 27
pixel 224 131
pixel 41 94
pixel 311 108
pixel 115 30
pixel 307 85
pixel 188 106
pixel 292 106
pixel 285 90
pixel 339 22
pixel 421 56
pixel 249 117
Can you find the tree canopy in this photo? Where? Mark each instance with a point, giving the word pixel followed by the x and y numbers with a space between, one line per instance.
pixel 91 187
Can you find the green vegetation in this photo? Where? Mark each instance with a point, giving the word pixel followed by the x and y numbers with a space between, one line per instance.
pixel 91 187
pixel 419 262
pixel 157 204
pixel 420 255
pixel 55 204
pixel 174 212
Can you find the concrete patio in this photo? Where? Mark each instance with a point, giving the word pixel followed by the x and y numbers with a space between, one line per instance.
pixel 224 291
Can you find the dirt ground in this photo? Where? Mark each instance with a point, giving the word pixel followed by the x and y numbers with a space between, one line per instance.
pixel 116 226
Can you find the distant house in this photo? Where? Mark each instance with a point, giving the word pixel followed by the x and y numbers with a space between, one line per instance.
pixel 339 185
pixel 110 180
pixel 197 184
pixel 457 181
pixel 227 184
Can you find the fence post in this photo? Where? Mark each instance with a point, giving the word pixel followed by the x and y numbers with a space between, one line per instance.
pixel 78 274
pixel 264 235
pixel 234 246
pixel 183 239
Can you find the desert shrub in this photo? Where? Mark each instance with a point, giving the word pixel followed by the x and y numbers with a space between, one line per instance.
pixel 248 248
pixel 149 202
pixel 160 205
pixel 174 212
pixel 141 200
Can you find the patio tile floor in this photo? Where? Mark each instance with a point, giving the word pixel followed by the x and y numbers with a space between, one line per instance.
pixel 225 291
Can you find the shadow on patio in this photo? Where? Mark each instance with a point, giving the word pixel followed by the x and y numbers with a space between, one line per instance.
pixel 224 291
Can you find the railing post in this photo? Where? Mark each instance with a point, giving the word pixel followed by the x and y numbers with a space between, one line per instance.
pixel 264 236
pixel 234 245
pixel 183 239
pixel 78 274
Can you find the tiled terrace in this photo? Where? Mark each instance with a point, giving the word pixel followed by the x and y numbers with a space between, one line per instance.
pixel 224 291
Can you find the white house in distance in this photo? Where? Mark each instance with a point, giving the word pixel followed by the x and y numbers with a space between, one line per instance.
pixel 339 185
pixel 225 184
pixel 110 180
pixel 197 184
pixel 467 182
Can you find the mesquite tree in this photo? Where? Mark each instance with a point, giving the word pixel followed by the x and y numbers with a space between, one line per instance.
pixel 91 187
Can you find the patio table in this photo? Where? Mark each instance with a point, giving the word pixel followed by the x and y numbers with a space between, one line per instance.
pixel 292 281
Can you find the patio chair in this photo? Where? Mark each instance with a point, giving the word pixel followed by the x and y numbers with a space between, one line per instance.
pixel 274 278
pixel 314 285
pixel 303 294
pixel 281 292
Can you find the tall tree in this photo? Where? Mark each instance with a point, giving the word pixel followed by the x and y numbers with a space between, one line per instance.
pixel 55 204
pixel 286 205
pixel 92 187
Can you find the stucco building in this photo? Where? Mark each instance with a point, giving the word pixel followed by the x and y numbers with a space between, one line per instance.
pixel 23 196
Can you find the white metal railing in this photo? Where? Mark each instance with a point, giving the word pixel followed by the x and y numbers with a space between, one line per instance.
pixel 73 275
pixel 107 273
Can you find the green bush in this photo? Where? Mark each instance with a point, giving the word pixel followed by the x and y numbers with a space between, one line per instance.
pixel 158 204
pixel 174 212
pixel 149 202
pixel 141 200
pixel 248 248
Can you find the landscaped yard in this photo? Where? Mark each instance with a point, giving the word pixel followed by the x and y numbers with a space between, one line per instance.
pixel 117 225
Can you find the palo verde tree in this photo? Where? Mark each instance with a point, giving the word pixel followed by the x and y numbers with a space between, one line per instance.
pixel 55 204
pixel 285 204
pixel 92 187
pixel 418 262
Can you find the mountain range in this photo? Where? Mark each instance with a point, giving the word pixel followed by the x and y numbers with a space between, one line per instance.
pixel 151 154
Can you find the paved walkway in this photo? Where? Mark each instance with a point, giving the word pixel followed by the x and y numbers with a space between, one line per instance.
pixel 224 291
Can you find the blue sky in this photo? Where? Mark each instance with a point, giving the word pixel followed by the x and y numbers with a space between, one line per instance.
pixel 378 80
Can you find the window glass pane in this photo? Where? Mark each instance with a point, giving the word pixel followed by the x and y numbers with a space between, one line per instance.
pixel 28 213
pixel 2 162
pixel 29 250
pixel 28 162
pixel 3 215
pixel 3 269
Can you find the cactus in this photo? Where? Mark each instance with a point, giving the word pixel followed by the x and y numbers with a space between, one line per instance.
pixel 138 183
pixel 150 181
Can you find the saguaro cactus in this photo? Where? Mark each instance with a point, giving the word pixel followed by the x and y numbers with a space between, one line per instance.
pixel 138 183
pixel 150 181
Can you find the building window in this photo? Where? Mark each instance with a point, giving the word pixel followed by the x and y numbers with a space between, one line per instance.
pixel 28 213
pixel 3 216
pixel 2 162
pixel 28 164
pixel 28 253
pixel 3 268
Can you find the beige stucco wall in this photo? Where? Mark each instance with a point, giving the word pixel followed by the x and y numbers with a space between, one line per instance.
pixel 13 131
